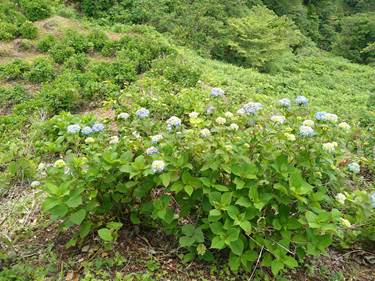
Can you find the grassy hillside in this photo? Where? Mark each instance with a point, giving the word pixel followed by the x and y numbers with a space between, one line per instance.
pixel 126 155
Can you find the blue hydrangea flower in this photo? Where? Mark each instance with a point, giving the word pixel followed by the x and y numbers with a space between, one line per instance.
pixel 285 102
pixel 151 150
pixel 73 129
pixel 97 127
pixel 251 108
pixel 157 166
pixel 320 115
pixel 217 92
pixel 173 122
pixel 301 100
pixel 354 168
pixel 86 131
pixel 306 131
pixel 372 199
pixel 142 113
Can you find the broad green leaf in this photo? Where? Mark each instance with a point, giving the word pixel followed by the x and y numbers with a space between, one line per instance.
pixel 276 266
pixel 217 243
pixel 78 217
pixel 105 234
pixel 186 241
pixel 74 202
pixel 165 179
pixel 188 189
pixel 85 229
pixel 237 246
pixel 58 211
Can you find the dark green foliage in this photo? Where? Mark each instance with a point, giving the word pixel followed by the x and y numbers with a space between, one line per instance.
pixel 8 31
pixel 98 39
pixel 12 96
pixel 14 70
pixel 46 43
pixel 41 70
pixel 28 30
pixel 61 52
pixel 76 62
pixel 36 9
pixel 62 94
pixel 356 38
pixel 177 71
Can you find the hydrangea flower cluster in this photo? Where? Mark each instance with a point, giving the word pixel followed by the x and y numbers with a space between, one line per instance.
pixel 285 102
pixel 157 166
pixel 354 168
pixel 97 127
pixel 329 146
pixel 250 108
pixel 123 115
pixel 210 109
pixel 157 138
pixel 290 137
pixel 151 150
pixel 205 133
pixel 278 119
pixel 193 114
pixel 372 199
pixel 301 100
pixel 345 126
pixel 35 184
pixel 142 113
pixel 217 92
pixel 228 115
pixel 173 122
pixel 86 131
pixel 73 129
pixel 59 163
pixel 309 123
pixel 114 140
pixel 325 116
pixel 340 197
pixel 220 120
pixel 234 127
pixel 306 131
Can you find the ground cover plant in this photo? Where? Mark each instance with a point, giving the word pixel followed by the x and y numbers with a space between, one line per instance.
pixel 129 154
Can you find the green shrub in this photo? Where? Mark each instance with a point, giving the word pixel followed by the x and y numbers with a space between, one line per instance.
pixel 77 62
pixel 77 41
pixel 8 31
pixel 26 45
pixel 260 38
pixel 98 39
pixel 61 52
pixel 258 187
pixel 46 43
pixel 28 30
pixel 12 96
pixel 177 71
pixel 14 70
pixel 41 70
pixel 36 9
pixel 62 94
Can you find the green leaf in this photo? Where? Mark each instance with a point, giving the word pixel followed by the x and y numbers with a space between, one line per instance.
pixel 217 243
pixel 226 198
pixel 246 226
pixel 188 229
pixel 239 183
pixel 74 202
pixel 237 247
pixel 216 228
pixel 245 170
pixel 198 236
pixel 85 229
pixel 78 217
pixel 234 262
pixel 276 266
pixel 139 162
pixel 188 189
pixel 186 241
pixel 58 211
pixel 105 234
pixel 221 188
pixel 165 179
pixel 290 262
pixel 134 218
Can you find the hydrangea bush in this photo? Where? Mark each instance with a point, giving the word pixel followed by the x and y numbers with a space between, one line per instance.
pixel 255 182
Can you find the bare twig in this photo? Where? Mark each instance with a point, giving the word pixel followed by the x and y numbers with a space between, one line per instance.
pixel 256 265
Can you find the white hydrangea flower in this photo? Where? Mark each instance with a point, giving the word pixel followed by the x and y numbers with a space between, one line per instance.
pixel 151 150
pixel 340 197
pixel 205 133
pixel 285 102
pixel 354 168
pixel 142 113
pixel 59 163
pixel 331 117
pixel 114 140
pixel 221 120
pixel 241 111
pixel 35 184
pixel 345 222
pixel 193 114
pixel 345 126
pixel 123 115
pixel 157 166
pixel 278 119
pixel 306 131
pixel 228 115
pixel 136 134
pixel 329 146
pixel 234 127
pixel 73 129
pixel 89 140
pixel 42 166
pixel 157 138
pixel 309 123
pixel 290 137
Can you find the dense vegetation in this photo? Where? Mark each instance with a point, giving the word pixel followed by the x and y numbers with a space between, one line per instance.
pixel 239 130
